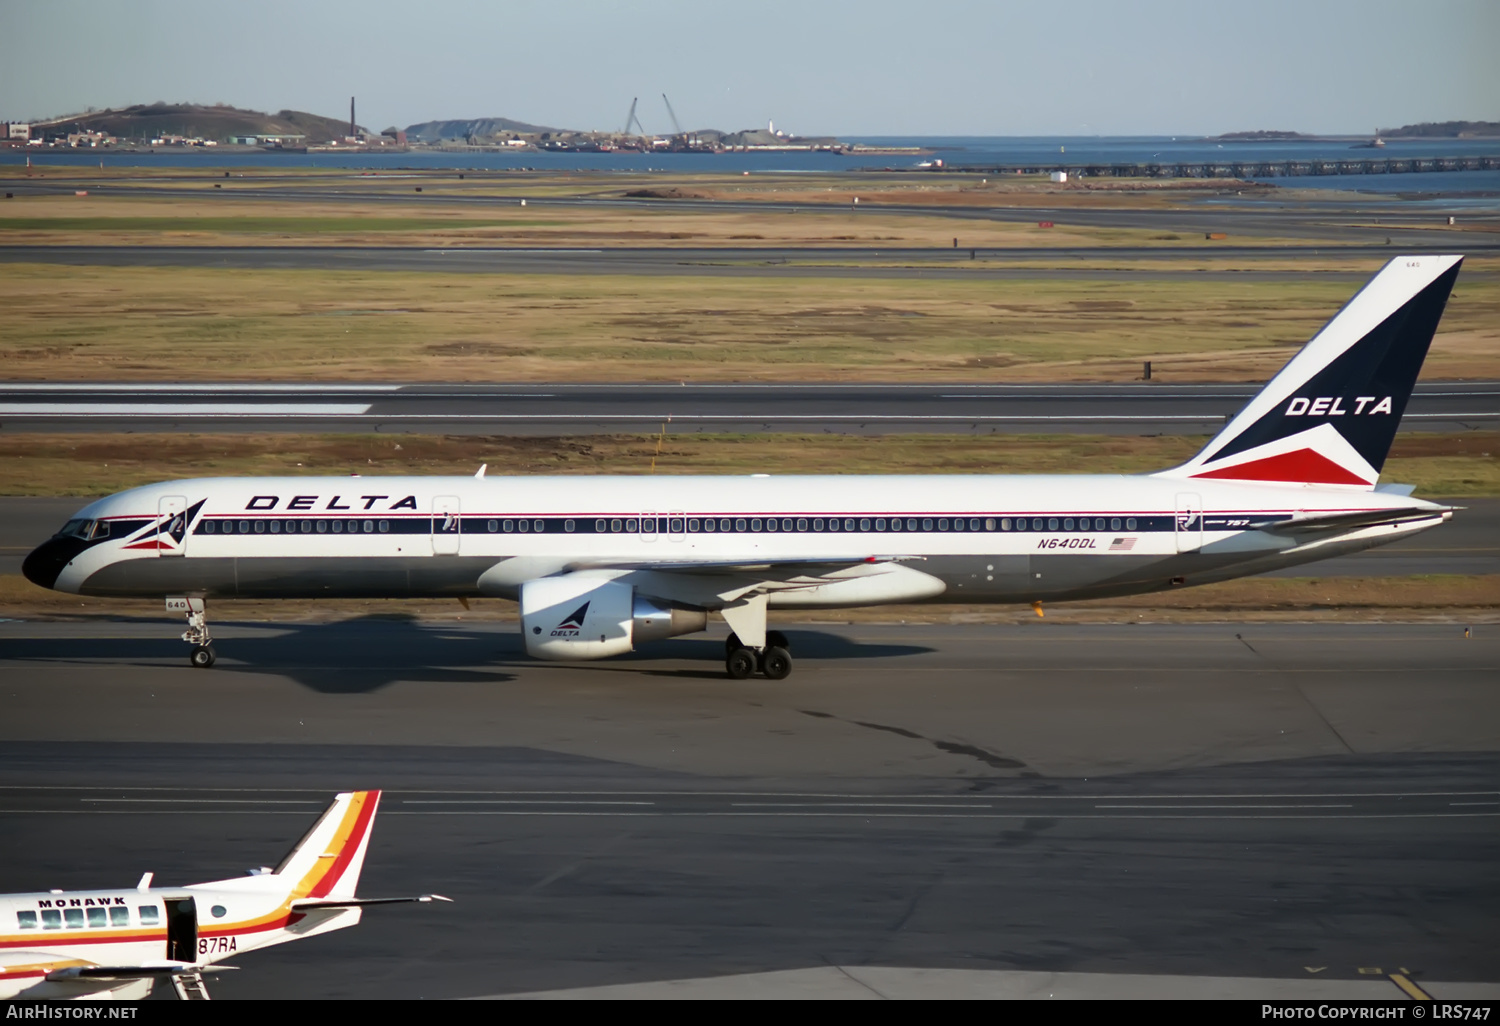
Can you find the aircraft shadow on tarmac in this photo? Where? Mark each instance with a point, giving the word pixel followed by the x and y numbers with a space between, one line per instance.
pixel 366 654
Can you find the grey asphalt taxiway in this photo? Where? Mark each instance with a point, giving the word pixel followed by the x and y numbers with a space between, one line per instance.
pixel 563 409
pixel 1287 802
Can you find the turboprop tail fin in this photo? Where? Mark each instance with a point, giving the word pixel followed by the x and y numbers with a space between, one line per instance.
pixel 327 861
pixel 1329 416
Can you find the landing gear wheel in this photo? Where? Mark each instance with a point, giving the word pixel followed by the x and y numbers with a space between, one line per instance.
pixel 776 663
pixel 740 663
pixel 202 657
pixel 776 639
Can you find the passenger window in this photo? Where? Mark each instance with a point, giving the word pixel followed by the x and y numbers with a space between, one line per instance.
pixel 849 523
pixel 119 915
pixel 307 527
pixel 525 526
pixel 771 524
pixel 974 524
pixel 538 526
pixel 616 525
pixel 709 525
pixel 692 527
pixel 208 527
pixel 864 525
pixel 244 527
pixel 276 527
pixel 150 916
pixel 818 524
pixel 492 526
pixel 943 524
pixel 338 527
pixel 96 917
pixel 1068 524
pixel 1004 524
pixel 895 524
pixel 1130 524
pixel 369 526
pixel 1036 523
pixel 632 526
pixel 741 524
pixel 385 526
pixel 51 919
pixel 880 524
pixel 26 920
pixel 600 526
pixel 291 527
pixel 260 527
pixel 755 524
pixel 568 526
pixel 786 525
pixel 73 918
pixel 927 524
pixel 1114 524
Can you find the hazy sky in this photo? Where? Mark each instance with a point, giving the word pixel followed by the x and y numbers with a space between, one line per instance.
pixel 876 67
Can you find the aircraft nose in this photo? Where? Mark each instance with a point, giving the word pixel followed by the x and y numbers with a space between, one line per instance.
pixel 46 561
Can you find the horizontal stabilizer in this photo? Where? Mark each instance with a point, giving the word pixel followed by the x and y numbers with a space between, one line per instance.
pixel 1354 521
pixel 307 905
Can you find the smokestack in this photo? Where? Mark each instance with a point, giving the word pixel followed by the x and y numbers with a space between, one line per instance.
pixel 352 130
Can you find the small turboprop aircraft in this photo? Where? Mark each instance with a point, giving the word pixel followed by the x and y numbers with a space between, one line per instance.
pixel 600 564
pixel 117 943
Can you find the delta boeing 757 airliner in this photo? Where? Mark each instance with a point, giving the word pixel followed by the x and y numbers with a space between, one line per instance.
pixel 600 564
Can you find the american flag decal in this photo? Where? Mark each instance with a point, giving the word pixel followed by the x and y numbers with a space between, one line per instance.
pixel 1122 545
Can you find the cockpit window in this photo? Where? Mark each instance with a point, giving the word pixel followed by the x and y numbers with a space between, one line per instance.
pixel 85 529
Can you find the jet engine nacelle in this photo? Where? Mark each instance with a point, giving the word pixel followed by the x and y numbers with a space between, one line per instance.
pixel 570 617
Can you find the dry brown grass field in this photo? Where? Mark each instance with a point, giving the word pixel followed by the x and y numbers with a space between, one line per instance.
pixel 93 323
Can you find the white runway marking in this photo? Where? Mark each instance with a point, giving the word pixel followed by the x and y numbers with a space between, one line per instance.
pixel 182 409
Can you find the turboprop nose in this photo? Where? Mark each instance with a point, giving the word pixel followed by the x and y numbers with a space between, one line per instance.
pixel 47 560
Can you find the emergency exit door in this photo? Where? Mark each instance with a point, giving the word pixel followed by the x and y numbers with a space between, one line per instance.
pixel 445 525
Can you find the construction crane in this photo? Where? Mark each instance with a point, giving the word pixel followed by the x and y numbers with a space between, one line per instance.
pixel 631 118
pixel 671 113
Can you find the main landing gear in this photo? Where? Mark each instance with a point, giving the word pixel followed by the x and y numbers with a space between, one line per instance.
pixel 202 656
pixel 774 661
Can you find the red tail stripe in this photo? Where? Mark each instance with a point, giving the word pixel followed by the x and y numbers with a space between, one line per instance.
pixel 1301 466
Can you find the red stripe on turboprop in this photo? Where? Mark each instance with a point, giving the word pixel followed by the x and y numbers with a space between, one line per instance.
pixel 351 845
pixel 1302 466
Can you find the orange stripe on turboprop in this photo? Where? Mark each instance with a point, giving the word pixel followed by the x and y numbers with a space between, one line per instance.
pixel 1304 466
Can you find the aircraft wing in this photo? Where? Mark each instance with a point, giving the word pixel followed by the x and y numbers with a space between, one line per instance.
pixel 308 904
pixel 1338 522
pixel 771 569
pixel 131 972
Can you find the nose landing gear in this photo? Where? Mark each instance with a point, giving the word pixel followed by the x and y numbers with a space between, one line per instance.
pixel 202 656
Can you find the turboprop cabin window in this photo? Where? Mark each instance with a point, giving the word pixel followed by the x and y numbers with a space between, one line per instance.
pixel 96 917
pixel 150 915
pixel 73 918
pixel 51 919
pixel 119 915
pixel 26 920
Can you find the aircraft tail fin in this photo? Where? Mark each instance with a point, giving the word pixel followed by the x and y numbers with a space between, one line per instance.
pixel 1330 415
pixel 327 861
